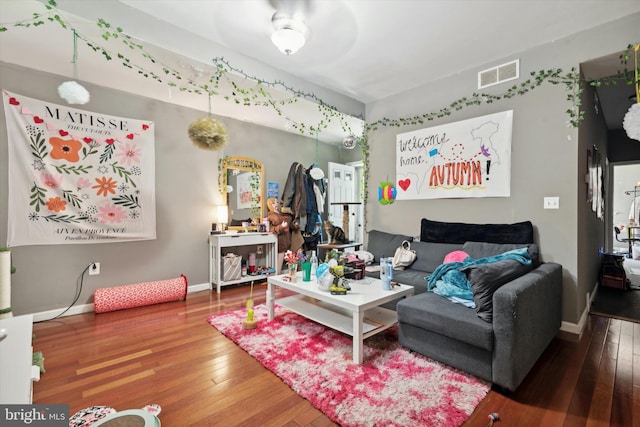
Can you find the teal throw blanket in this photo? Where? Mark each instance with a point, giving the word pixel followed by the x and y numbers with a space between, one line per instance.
pixel 449 281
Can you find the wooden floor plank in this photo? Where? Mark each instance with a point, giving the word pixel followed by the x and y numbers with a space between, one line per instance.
pixel 169 355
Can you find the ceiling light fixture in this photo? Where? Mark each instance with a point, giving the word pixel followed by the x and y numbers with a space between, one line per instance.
pixel 289 34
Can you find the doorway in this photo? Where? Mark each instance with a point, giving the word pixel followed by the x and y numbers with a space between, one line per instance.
pixel 625 201
pixel 345 198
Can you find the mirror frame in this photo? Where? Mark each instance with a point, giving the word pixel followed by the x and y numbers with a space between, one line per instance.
pixel 245 164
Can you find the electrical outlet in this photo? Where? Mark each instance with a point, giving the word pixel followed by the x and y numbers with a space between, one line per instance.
pixel 94 270
pixel 552 202
pixel 259 250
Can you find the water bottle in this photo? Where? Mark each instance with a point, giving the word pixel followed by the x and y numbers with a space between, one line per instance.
pixel 314 263
pixel 386 273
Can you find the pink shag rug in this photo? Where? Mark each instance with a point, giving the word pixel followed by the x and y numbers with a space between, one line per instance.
pixel 393 387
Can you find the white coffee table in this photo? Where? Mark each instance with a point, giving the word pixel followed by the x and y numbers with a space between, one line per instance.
pixel 358 313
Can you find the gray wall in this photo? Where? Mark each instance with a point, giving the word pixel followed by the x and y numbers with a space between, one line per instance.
pixel 591 229
pixel 186 192
pixel 547 159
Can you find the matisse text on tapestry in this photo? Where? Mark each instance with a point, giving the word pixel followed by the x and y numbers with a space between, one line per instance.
pixel 469 158
pixel 77 176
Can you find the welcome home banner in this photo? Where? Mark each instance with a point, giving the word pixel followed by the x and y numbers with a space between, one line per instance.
pixel 469 158
pixel 77 176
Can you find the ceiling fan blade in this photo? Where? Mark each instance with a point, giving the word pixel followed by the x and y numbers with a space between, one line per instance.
pixel 298 9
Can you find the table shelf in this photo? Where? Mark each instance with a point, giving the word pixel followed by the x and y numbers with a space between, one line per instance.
pixel 219 241
pixel 341 320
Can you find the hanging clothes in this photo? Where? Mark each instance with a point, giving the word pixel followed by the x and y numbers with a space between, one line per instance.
pixel 303 198
pixel 293 195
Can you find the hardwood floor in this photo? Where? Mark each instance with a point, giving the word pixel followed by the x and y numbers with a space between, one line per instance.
pixel 168 354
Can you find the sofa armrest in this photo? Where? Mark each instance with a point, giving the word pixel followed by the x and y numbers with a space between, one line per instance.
pixel 527 313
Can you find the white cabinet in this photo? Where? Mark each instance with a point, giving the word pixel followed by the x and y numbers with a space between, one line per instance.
pixel 17 372
pixel 217 243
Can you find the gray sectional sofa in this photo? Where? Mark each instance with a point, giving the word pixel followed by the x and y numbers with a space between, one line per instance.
pixel 518 311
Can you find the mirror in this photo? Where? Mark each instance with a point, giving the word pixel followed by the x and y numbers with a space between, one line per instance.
pixel 241 183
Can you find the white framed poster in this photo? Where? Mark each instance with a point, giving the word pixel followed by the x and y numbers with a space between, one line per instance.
pixel 469 158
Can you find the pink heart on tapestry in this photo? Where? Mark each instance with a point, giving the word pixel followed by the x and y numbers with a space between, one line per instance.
pixel 130 136
pixel 25 111
pixel 145 127
pixel 50 127
pixel 38 120
pixel 13 101
pixel 404 184
pixel 63 132
pixel 87 139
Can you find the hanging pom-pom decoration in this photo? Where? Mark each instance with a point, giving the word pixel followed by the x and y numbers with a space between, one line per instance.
pixel 73 92
pixel 386 193
pixel 631 122
pixel 208 134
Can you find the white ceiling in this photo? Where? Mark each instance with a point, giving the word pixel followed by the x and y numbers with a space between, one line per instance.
pixel 361 50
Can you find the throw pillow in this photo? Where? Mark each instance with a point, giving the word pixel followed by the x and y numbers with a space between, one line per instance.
pixel 455 256
pixel 458 232
pixel 430 255
pixel 485 279
pixel 482 249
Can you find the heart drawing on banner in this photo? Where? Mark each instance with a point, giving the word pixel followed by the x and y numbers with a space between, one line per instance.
pixel 38 120
pixel 63 132
pixel 404 184
pixel 145 127
pixel 13 101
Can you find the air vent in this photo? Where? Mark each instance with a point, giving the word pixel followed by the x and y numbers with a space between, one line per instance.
pixel 500 74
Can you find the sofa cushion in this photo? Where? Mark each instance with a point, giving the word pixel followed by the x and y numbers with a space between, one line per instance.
pixel 429 255
pixel 457 232
pixel 382 244
pixel 483 249
pixel 487 278
pixel 412 277
pixel 437 314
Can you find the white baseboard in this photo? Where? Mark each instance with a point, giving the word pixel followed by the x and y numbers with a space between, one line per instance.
pixel 578 328
pixel 199 287
pixel 574 328
pixel 49 315
pixel 86 308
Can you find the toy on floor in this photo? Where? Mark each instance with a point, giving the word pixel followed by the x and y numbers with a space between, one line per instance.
pixel 493 417
pixel 250 322
pixel 100 415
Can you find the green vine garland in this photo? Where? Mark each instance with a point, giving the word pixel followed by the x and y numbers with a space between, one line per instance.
pixel 256 95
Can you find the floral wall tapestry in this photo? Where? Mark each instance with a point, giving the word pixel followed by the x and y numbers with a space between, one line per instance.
pixel 77 176
pixel 469 158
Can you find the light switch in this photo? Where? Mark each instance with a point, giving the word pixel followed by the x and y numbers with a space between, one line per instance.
pixel 552 202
